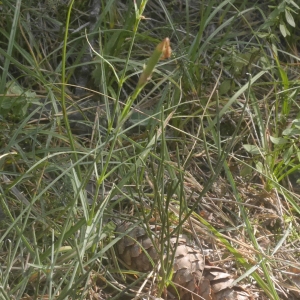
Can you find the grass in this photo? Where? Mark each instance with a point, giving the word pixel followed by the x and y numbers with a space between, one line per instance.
pixel 204 142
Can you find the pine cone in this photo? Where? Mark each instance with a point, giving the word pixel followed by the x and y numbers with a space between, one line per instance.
pixel 193 276
pixel 130 248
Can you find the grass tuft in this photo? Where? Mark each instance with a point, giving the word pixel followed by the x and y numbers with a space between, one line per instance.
pixel 180 117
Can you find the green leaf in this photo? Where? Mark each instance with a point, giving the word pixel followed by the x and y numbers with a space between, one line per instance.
pixel 283 29
pixel 259 167
pixel 296 122
pixel 6 103
pixel 225 86
pixel 293 3
pixel 278 140
pixel 16 100
pixel 14 88
pixel 246 171
pixel 287 155
pixel 252 149
pixel 30 96
pixel 298 153
pixel 291 131
pixel 290 18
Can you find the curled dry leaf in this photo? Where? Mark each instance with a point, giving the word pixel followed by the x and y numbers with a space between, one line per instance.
pixel 166 51
pixel 194 277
